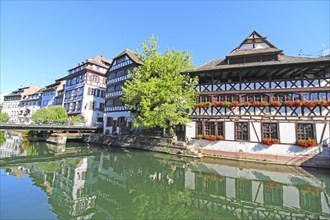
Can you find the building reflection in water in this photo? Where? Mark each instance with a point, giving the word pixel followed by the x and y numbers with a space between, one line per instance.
pixel 128 185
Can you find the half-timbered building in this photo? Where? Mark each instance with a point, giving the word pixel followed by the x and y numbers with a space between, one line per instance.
pixel 259 94
pixel 117 116
pixel 85 89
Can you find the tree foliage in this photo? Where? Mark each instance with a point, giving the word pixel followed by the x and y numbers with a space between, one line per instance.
pixel 4 117
pixel 158 91
pixel 50 113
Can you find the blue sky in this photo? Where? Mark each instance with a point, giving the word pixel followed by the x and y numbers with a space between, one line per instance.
pixel 40 41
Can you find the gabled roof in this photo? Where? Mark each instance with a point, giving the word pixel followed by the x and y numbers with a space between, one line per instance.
pixel 254 43
pixel 131 54
pixel 98 60
pixel 101 61
pixel 219 64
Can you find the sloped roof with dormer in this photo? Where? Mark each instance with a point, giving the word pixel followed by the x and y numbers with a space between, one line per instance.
pixel 131 54
pixel 254 43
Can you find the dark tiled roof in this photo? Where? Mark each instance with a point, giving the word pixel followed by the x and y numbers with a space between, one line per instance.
pixel 12 94
pixel 219 64
pixel 253 51
pixel 131 54
pixel 101 61
pixel 98 60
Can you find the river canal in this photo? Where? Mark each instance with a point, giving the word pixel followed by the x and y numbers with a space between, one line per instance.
pixel 79 181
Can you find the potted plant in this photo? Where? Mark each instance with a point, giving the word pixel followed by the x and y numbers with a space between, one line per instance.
pixel 220 138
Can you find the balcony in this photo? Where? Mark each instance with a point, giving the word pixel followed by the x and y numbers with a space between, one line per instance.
pixel 114 94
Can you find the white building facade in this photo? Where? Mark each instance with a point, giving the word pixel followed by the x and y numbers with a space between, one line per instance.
pixel 85 90
pixel 53 94
pixel 258 94
pixel 11 104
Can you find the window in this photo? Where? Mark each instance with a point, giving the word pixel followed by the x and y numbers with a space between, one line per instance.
pixel 109 121
pixel 220 129
pixel 92 105
pixel 109 103
pixel 95 78
pixel 120 73
pixel 205 98
pixel 112 76
pixel 101 106
pixel 73 81
pixel 209 128
pixel 199 128
pixel 226 98
pixel 117 102
pixel 111 89
pixel 121 59
pixel 269 130
pixel 256 98
pixel 118 87
pixel 305 131
pixel 242 131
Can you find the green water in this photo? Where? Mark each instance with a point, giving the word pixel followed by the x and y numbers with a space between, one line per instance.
pixel 77 181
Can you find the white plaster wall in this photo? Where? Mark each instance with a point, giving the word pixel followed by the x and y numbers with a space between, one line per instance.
pixel 287 133
pixel 255 134
pixel 319 129
pixel 254 148
pixel 229 131
pixel 90 115
pixel 191 130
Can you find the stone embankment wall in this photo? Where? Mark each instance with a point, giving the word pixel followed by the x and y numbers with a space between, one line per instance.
pixel 141 142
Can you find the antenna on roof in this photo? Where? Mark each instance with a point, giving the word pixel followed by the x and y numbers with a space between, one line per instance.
pixel 300 52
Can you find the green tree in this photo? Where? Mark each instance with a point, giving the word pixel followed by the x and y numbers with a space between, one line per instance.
pixel 158 91
pixel 4 117
pixel 50 113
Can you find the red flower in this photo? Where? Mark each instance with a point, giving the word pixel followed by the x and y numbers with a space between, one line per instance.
pixel 270 141
pixel 307 143
pixel 275 104
pixel 234 104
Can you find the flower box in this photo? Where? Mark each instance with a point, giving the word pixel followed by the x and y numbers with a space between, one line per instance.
pixel 220 138
pixel 310 104
pixel 234 104
pixel 210 137
pixel 275 104
pixel 260 104
pixel 247 104
pixel 270 141
pixel 307 143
